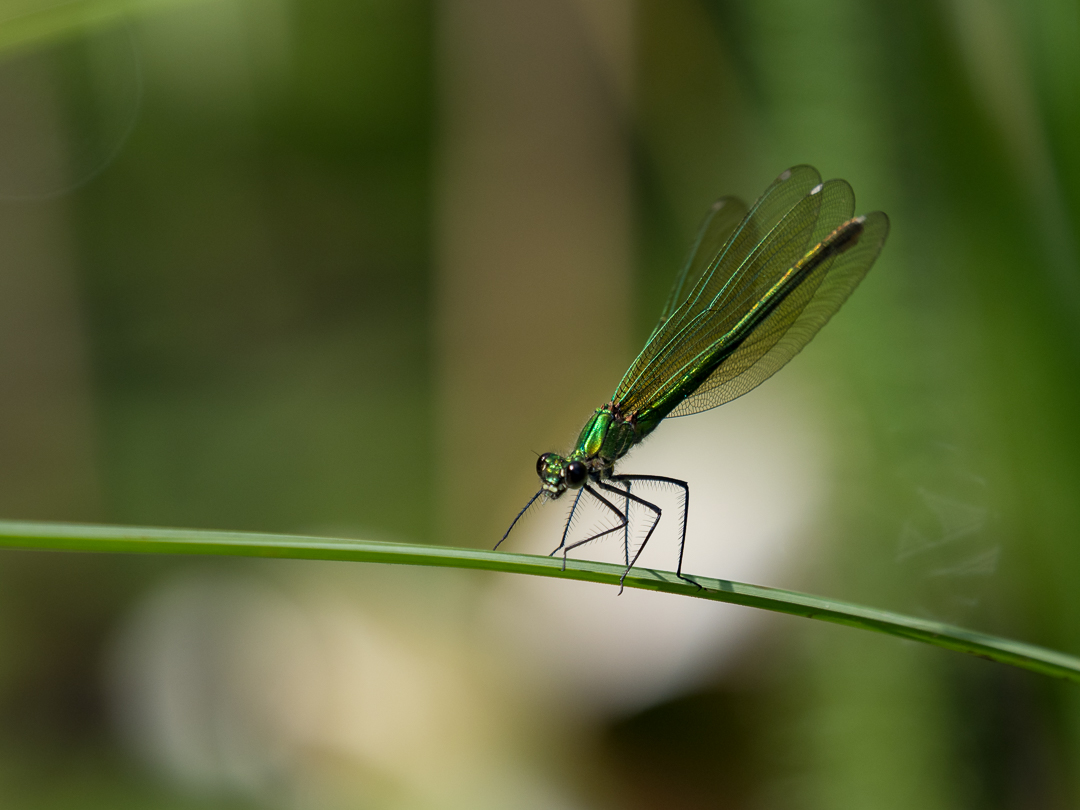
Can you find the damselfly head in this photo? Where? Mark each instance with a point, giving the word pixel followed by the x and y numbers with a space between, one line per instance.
pixel 557 474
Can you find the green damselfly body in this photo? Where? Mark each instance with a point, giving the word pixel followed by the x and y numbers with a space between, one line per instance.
pixel 757 287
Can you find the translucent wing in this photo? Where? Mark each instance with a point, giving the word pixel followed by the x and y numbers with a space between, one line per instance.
pixel 771 207
pixel 714 262
pixel 748 315
pixel 723 217
pixel 791 326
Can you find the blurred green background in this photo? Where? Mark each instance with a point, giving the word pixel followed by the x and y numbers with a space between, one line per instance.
pixel 343 267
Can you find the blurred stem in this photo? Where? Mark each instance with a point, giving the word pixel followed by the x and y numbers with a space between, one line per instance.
pixel 68 537
pixel 26 23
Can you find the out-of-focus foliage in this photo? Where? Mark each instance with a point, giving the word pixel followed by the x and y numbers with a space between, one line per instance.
pixel 219 310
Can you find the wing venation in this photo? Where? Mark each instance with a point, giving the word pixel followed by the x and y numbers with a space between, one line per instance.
pixel 720 333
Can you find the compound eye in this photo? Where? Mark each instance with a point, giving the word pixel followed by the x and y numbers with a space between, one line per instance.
pixel 541 464
pixel 576 474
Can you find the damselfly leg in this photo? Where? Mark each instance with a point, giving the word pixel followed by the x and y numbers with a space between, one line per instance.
pixel 569 523
pixel 520 514
pixel 662 479
pixel 566 549
pixel 624 519
pixel 626 528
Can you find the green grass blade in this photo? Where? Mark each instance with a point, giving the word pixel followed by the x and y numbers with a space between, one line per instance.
pixel 66 537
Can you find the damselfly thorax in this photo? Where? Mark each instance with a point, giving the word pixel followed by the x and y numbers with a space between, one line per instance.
pixel 606 437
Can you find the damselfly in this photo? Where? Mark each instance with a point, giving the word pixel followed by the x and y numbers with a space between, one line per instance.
pixel 758 286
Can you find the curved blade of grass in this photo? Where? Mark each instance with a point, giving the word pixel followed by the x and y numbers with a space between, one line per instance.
pixel 67 537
